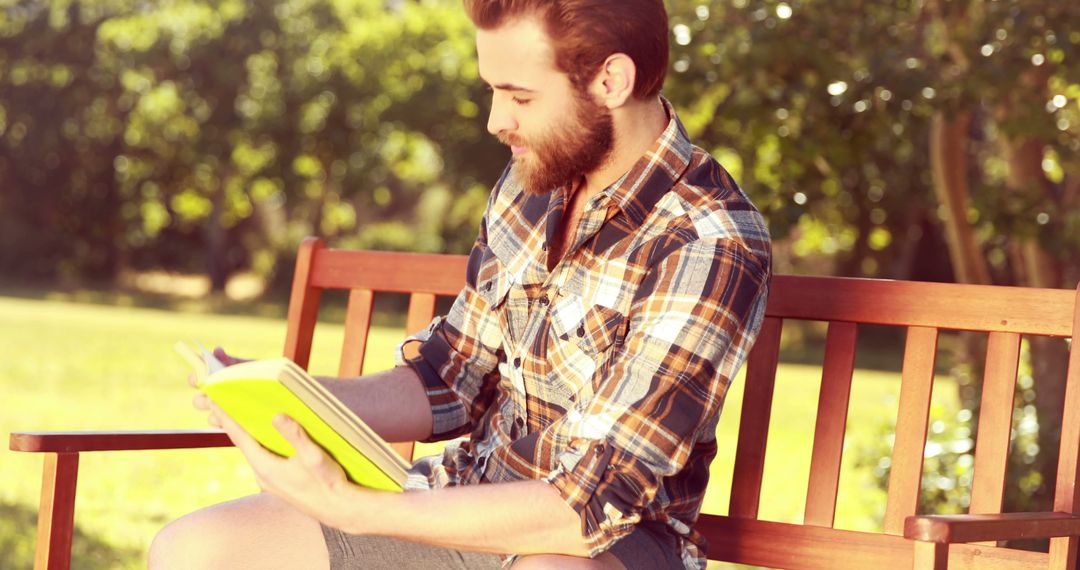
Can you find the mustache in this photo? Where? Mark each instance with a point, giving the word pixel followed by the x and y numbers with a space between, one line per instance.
pixel 510 139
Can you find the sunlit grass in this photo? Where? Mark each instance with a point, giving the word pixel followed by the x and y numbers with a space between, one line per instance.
pixel 69 366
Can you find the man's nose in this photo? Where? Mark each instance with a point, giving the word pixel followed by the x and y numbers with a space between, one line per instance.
pixel 500 119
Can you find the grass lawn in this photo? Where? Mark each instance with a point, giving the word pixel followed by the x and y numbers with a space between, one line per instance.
pixel 71 366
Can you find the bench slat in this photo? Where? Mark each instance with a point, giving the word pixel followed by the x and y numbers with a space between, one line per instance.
pixel 393 272
pixel 995 423
pixel 303 304
pixel 803 547
pixel 1063 551
pixel 831 422
pixel 917 380
pixel 357 325
pixel 1023 310
pixel 421 311
pixel 754 425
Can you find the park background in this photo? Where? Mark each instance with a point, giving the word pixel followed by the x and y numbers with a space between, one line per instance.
pixel 161 160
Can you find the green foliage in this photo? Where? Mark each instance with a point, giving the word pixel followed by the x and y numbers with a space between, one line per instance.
pixel 828 105
pixel 227 126
pixel 131 133
pixel 949 457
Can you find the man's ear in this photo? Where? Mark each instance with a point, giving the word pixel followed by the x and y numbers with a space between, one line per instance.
pixel 614 83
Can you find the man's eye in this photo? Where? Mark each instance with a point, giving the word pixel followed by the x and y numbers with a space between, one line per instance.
pixel 521 101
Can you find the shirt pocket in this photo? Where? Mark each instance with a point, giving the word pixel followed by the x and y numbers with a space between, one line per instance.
pixel 584 343
pixel 492 281
pixel 597 331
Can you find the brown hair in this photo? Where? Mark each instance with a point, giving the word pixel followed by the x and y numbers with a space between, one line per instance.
pixel 586 32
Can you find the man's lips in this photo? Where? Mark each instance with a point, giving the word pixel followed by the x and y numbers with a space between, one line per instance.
pixel 518 150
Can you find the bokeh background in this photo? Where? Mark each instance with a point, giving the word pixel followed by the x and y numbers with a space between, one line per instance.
pixel 161 160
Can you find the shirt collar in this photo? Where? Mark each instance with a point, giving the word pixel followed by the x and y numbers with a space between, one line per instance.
pixel 654 174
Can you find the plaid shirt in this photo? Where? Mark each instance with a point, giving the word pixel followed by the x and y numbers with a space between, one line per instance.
pixel 604 377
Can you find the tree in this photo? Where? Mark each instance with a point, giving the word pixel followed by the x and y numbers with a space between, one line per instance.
pixel 869 128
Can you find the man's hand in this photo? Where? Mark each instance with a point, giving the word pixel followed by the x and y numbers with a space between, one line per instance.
pixel 311 481
pixel 201 401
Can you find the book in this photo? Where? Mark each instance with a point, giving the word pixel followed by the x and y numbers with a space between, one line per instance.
pixel 254 392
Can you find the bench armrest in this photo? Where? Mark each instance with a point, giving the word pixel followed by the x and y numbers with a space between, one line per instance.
pixel 949 529
pixel 75 442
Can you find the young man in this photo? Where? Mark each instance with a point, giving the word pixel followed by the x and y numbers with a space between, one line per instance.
pixel 615 288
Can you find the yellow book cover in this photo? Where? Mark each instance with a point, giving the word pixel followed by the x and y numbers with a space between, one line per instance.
pixel 252 393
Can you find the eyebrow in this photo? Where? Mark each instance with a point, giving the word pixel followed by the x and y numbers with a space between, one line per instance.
pixel 514 88
pixel 509 87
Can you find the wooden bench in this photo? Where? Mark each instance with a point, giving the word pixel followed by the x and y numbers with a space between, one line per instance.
pixel 908 540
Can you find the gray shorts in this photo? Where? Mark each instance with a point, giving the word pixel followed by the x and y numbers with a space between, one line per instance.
pixel 650 547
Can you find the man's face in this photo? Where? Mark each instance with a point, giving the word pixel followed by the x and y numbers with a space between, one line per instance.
pixel 556 132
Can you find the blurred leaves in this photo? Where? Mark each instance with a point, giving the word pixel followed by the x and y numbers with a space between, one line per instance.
pixel 137 132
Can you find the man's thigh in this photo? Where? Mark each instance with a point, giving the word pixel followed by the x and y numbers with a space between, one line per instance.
pixel 353 552
pixel 259 531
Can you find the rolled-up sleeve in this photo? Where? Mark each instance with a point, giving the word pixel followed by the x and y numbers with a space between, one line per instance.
pixel 692 323
pixel 459 354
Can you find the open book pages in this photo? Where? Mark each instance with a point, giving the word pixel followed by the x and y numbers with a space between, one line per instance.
pixel 252 393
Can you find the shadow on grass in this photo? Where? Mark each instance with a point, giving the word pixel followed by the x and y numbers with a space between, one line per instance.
pixel 271 304
pixel 390 308
pixel 18 533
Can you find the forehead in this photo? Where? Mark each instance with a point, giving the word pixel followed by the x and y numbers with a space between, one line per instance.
pixel 517 53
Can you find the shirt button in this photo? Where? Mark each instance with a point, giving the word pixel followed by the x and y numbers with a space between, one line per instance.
pixel 517 362
pixel 600 449
pixel 480 462
pixel 581 332
pixel 487 286
pixel 545 301
pixel 519 422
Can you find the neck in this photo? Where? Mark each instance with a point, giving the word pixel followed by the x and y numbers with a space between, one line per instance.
pixel 637 126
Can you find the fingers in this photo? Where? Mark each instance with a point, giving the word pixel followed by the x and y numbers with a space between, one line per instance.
pixel 226 359
pixel 201 402
pixel 252 449
pixel 309 454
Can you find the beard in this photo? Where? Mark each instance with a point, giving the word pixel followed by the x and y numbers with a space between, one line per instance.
pixel 567 151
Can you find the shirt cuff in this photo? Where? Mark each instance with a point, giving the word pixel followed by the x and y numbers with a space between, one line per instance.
pixel 449 415
pixel 583 481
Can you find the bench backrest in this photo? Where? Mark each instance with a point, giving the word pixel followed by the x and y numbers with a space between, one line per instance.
pixel 1005 314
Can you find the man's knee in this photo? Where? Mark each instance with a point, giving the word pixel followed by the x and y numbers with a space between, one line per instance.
pixel 188 542
pixel 605 561
pixel 255 532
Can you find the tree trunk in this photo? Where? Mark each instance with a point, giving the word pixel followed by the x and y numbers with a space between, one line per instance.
pixel 949 162
pixel 217 267
pixel 1049 357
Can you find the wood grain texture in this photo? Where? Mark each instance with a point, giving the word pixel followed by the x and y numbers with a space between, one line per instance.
pixel 73 442
pixel 931 556
pixel 995 423
pixel 805 547
pixel 303 305
pixel 390 271
pixel 1023 310
pixel 754 427
pixel 357 326
pixel 56 512
pixel 837 370
pixel 917 379
pixel 1006 526
pixel 1063 551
